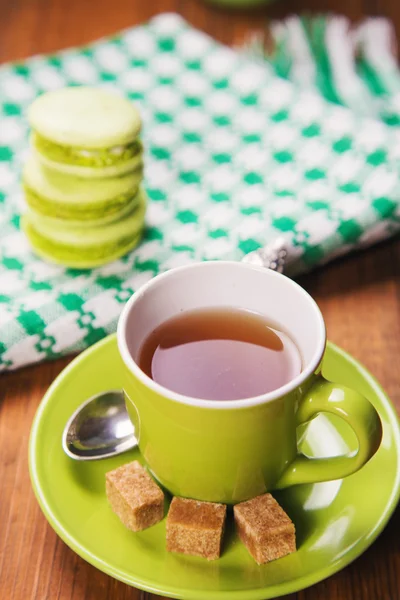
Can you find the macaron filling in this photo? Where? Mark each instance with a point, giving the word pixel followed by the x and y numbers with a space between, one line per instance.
pixel 81 212
pixel 86 157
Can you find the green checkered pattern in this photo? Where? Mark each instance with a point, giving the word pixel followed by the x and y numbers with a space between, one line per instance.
pixel 235 157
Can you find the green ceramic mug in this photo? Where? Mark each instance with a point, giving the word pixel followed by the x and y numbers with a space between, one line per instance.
pixel 229 451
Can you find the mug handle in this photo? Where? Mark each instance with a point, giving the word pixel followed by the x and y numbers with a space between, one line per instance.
pixel 357 411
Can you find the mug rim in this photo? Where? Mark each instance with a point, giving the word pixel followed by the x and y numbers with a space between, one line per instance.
pixel 134 368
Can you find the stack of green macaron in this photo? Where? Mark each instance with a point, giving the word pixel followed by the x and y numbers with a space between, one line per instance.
pixel 82 182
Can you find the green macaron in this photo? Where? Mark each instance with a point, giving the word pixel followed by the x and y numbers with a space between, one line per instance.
pixel 92 245
pixel 57 195
pixel 85 131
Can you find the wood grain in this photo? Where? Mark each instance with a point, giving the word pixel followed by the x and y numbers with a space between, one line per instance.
pixel 359 297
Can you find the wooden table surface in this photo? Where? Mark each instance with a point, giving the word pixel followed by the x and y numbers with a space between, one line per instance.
pixel 359 297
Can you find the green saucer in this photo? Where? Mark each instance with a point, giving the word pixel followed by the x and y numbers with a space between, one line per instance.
pixel 335 521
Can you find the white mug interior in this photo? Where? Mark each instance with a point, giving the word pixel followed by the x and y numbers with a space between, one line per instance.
pixel 283 302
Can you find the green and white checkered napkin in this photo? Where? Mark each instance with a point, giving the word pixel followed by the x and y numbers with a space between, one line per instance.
pixel 235 157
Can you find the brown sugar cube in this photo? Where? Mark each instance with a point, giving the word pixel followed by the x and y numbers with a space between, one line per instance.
pixel 195 527
pixel 264 528
pixel 134 496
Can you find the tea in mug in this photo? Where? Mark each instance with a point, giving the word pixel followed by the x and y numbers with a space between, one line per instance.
pixel 220 354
